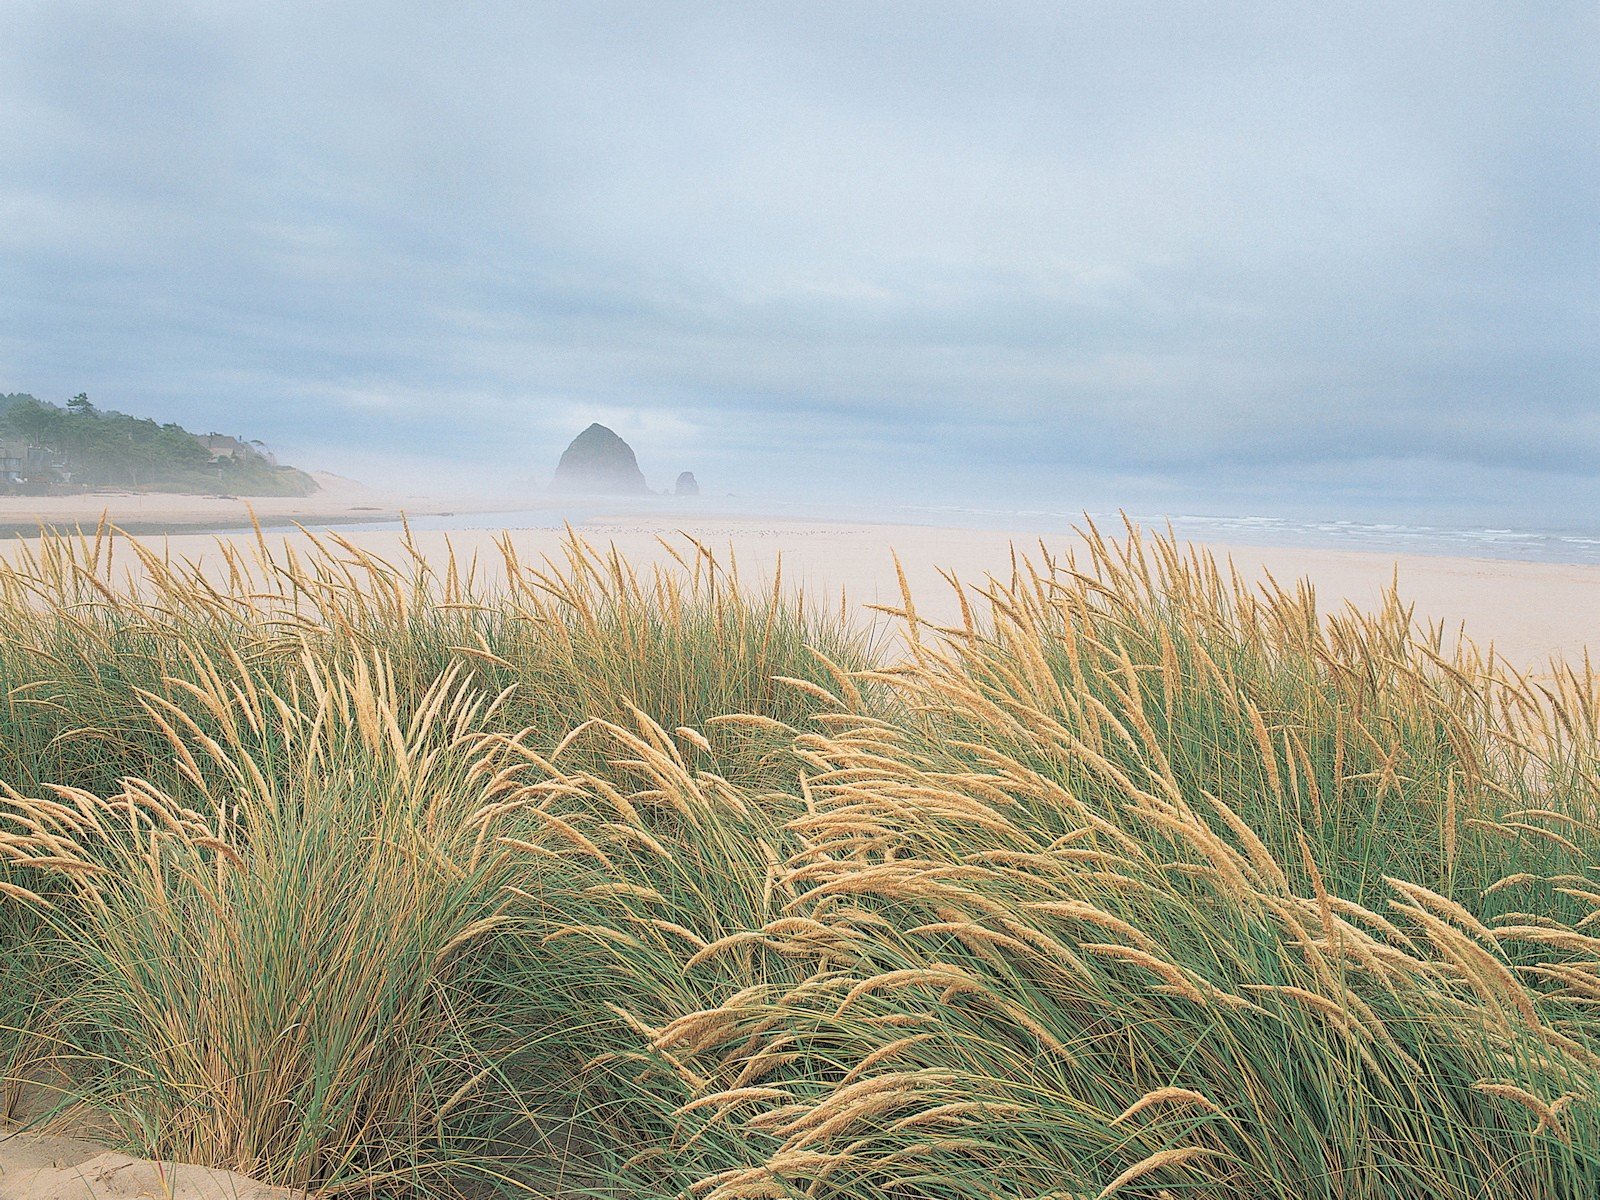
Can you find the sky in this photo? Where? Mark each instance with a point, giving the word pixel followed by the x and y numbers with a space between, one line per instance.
pixel 1327 260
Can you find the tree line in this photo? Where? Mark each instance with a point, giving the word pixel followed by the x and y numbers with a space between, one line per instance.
pixel 81 447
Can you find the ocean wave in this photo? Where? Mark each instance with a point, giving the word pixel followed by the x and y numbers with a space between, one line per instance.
pixel 1494 542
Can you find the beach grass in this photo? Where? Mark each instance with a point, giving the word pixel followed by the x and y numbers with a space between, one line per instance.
pixel 374 878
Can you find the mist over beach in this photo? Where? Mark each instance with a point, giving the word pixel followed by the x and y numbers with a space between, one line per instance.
pixel 1232 262
pixel 931 601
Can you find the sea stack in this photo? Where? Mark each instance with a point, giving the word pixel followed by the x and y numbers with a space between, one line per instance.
pixel 599 462
pixel 686 485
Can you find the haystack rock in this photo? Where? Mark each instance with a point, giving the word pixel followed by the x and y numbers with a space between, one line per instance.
pixel 598 461
pixel 686 485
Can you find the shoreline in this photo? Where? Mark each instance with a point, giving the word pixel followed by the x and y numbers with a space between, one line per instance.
pixel 345 505
pixel 163 527
pixel 1528 611
pixel 337 501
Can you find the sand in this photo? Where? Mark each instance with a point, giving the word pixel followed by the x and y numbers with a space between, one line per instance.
pixel 34 1167
pixel 1529 612
pixel 337 499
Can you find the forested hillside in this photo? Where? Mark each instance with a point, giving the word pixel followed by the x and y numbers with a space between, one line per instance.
pixel 47 447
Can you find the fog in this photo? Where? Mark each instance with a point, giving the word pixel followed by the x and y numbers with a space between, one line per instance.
pixel 1231 258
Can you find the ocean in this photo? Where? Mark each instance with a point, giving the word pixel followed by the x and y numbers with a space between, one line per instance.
pixel 1563 545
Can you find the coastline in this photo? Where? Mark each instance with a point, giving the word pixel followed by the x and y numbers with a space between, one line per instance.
pixel 1528 611
pixel 336 501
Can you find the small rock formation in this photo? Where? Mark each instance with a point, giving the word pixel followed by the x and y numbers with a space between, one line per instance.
pixel 598 461
pixel 686 485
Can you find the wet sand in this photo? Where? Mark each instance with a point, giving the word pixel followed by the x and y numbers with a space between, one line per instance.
pixel 336 501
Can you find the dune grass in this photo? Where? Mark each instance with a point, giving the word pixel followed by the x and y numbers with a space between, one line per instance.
pixel 375 879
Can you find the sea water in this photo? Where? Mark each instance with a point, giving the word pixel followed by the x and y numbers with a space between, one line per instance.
pixel 1570 545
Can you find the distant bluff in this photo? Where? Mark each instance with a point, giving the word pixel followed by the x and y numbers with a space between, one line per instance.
pixel 598 461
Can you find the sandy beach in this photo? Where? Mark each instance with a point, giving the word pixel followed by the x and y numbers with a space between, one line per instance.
pixel 1529 612
pixel 336 500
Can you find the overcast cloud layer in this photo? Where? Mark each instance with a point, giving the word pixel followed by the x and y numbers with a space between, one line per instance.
pixel 1247 257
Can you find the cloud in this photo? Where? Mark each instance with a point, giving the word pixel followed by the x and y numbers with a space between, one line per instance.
pixel 1231 252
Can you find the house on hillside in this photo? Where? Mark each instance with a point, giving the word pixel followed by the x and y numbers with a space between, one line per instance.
pixel 13 462
pixel 21 463
pixel 221 446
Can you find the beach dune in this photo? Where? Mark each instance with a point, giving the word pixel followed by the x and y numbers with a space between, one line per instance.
pixel 1531 613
